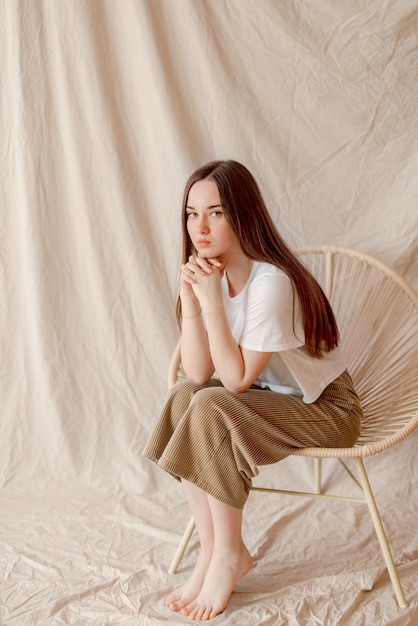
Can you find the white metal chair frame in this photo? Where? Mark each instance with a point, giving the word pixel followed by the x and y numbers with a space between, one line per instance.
pixel 377 315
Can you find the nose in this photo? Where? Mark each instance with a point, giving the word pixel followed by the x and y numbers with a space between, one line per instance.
pixel 203 226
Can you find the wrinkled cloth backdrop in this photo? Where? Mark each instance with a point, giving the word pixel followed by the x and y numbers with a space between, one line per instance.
pixel 106 108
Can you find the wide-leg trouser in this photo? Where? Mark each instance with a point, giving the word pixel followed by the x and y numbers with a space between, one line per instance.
pixel 216 439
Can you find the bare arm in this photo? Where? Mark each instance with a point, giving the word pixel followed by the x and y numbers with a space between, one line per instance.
pixel 213 348
pixel 195 353
pixel 237 367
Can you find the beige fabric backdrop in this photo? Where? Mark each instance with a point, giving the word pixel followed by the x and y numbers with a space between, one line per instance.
pixel 106 108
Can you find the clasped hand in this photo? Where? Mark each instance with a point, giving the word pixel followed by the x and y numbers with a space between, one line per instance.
pixel 203 276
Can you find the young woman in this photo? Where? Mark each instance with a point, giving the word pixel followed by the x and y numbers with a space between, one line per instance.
pixel 265 376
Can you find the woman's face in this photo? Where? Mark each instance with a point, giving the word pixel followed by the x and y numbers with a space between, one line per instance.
pixel 208 229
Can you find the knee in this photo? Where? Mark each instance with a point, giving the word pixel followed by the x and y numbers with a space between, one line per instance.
pixel 180 397
pixel 213 404
pixel 212 396
pixel 184 388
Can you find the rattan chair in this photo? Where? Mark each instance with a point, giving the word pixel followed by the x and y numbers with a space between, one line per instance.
pixel 377 315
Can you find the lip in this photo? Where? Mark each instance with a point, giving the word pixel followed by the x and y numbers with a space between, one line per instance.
pixel 203 242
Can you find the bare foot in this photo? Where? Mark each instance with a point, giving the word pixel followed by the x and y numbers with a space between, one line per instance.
pixel 223 574
pixel 183 595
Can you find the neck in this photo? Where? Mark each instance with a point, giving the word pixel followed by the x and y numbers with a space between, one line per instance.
pixel 237 273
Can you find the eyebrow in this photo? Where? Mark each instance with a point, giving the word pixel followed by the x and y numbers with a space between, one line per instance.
pixel 211 206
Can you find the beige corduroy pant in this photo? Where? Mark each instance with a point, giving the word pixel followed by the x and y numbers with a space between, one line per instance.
pixel 216 439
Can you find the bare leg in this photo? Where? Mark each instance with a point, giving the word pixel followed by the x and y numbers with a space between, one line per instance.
pixel 199 504
pixel 229 563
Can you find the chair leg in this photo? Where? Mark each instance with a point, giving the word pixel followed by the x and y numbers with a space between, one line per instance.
pixel 318 475
pixel 182 547
pixel 371 502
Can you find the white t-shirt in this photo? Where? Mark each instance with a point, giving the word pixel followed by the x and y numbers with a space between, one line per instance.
pixel 261 319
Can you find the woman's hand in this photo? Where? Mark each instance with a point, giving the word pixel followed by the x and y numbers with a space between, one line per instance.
pixel 202 278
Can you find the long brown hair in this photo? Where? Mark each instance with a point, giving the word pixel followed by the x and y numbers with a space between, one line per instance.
pixel 246 212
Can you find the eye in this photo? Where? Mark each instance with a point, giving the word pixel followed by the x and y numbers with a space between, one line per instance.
pixel 191 214
pixel 217 213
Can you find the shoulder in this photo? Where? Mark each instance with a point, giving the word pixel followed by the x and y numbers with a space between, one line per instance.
pixel 270 290
pixel 271 320
pixel 270 277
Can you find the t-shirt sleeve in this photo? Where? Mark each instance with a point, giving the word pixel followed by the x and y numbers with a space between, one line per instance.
pixel 272 321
